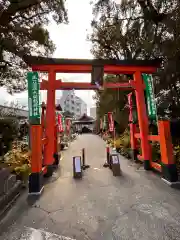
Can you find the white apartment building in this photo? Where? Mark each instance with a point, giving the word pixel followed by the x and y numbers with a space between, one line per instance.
pixel 93 112
pixel 71 103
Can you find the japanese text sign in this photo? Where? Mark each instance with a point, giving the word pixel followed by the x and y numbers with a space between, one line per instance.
pixel 151 104
pixel 111 122
pixel 60 125
pixel 33 97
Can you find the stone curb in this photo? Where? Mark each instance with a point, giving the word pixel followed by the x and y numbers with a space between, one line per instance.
pixel 8 199
pixel 175 185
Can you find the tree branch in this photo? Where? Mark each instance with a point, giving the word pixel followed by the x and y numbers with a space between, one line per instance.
pixel 10 46
pixel 28 19
pixel 106 46
pixel 13 8
pixel 150 13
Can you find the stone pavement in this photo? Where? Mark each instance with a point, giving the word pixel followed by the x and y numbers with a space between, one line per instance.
pixel 137 205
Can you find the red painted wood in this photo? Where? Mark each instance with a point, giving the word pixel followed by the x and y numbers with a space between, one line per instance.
pixel 50 120
pixel 153 138
pixel 156 166
pixel 166 146
pixel 44 170
pixel 59 85
pixel 88 68
pixel 44 141
pixel 142 116
pixel 36 148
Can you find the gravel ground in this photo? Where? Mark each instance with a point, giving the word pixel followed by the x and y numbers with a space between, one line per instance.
pixel 136 205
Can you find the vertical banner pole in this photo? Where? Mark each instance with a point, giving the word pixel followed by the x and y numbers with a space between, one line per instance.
pixel 35 138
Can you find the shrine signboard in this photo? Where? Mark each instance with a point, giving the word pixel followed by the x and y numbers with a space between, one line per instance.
pixel 33 98
pixel 151 103
pixel 111 122
pixel 60 124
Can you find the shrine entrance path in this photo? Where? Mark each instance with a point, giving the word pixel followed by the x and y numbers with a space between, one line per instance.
pixel 137 205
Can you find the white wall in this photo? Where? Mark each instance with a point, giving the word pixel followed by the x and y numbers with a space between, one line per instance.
pixel 93 112
pixel 70 102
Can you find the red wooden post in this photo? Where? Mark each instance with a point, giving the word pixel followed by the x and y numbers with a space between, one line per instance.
pixel 168 166
pixel 36 177
pixel 55 138
pixel 133 141
pixel 50 122
pixel 132 126
pixel 56 145
pixel 142 119
pixel 43 107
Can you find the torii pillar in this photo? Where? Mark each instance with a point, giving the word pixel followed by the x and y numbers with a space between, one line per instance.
pixel 142 119
pixel 50 123
pixel 132 126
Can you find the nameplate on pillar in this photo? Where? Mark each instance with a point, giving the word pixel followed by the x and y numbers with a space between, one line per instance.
pixel 33 98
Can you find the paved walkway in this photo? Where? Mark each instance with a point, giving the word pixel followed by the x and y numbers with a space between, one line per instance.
pixel 137 205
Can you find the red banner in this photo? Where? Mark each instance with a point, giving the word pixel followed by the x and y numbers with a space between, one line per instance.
pixel 60 126
pixel 111 122
pixel 130 107
pixel 68 125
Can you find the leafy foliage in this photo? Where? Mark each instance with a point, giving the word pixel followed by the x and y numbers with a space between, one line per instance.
pixel 18 162
pixel 23 32
pixel 9 127
pixel 143 29
pixel 111 100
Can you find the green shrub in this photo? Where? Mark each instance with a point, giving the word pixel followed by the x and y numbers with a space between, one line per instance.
pixel 123 144
pixel 18 163
pixel 177 156
pixel 156 153
pixel 8 132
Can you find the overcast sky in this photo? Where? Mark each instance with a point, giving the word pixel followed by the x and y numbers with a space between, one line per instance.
pixel 70 42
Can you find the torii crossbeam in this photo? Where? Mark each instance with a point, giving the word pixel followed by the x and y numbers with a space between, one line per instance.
pixel 59 85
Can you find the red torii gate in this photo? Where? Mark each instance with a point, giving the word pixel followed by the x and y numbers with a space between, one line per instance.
pixel 53 66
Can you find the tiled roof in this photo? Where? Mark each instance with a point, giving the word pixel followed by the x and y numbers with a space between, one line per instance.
pixel 84 117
